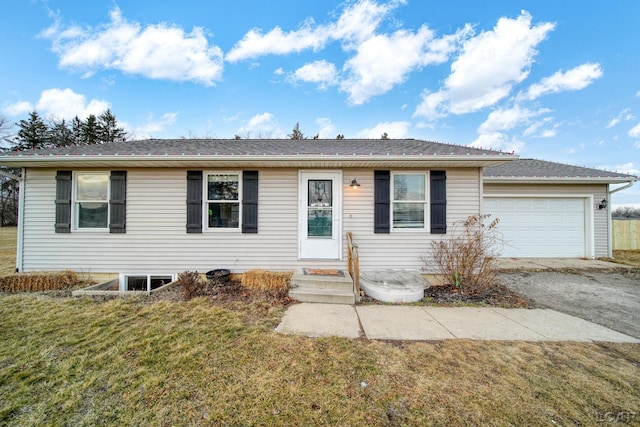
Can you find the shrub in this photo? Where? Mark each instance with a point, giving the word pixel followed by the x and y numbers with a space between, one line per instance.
pixel 35 282
pixel 273 281
pixel 191 283
pixel 466 256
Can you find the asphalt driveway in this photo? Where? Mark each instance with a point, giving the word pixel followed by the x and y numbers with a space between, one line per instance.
pixel 609 298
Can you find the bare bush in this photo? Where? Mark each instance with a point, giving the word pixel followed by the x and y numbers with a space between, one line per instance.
pixel 36 282
pixel 191 284
pixel 466 256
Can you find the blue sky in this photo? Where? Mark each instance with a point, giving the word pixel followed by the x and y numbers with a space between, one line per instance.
pixel 556 80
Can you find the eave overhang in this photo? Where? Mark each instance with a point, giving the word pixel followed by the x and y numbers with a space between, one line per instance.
pixel 254 161
pixel 556 180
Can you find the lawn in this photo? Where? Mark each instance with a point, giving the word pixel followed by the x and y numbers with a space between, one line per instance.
pixel 7 250
pixel 628 257
pixel 120 362
pixel 152 361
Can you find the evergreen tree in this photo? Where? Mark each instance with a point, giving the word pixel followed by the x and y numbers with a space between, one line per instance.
pixel 32 133
pixel 107 128
pixel 89 131
pixel 61 134
pixel 296 133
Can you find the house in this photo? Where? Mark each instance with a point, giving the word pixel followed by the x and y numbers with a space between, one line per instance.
pixel 551 210
pixel 143 211
pixel 153 208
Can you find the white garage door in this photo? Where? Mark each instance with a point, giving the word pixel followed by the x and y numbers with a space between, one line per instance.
pixel 539 227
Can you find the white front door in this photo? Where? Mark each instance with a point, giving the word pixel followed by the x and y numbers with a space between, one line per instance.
pixel 320 215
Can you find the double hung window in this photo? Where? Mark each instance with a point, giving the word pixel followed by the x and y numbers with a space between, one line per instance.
pixel 91 200
pixel 409 201
pixel 223 200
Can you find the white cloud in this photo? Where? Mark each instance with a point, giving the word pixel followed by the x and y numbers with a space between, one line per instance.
pixel 488 67
pixel 18 108
pixel 575 79
pixel 623 115
pixel 356 23
pixel 636 144
pixel 322 73
pixel 395 130
pixel 505 119
pixel 634 132
pixel 155 126
pixel 629 168
pixel 59 104
pixel 498 141
pixel 66 104
pixel 383 61
pixel 327 129
pixel 262 125
pixel 160 51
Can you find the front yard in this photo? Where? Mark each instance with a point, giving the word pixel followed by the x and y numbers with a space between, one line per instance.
pixel 127 361
pixel 153 361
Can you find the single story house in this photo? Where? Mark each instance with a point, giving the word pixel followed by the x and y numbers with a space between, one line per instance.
pixel 147 210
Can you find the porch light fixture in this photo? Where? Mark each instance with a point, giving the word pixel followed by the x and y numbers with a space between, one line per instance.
pixel 354 183
pixel 603 204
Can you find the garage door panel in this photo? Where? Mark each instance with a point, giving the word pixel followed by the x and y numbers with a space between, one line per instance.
pixel 539 227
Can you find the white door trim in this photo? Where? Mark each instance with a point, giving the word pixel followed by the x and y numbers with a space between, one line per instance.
pixel 320 248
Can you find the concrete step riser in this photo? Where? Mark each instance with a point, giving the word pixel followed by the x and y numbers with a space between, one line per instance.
pixel 321 284
pixel 335 298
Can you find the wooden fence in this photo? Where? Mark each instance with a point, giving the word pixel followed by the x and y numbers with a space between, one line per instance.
pixel 626 234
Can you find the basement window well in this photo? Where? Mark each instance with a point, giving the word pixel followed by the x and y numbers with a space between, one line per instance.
pixel 144 282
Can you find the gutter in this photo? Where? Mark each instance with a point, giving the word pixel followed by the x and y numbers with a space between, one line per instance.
pixel 629 184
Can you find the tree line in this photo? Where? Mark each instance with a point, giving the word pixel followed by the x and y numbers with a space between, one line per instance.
pixel 34 132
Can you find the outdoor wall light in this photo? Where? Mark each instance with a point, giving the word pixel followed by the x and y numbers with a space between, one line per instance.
pixel 354 183
pixel 603 204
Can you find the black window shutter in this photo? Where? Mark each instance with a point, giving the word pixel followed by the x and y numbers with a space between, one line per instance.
pixel 118 202
pixel 438 202
pixel 194 201
pixel 382 202
pixel 63 202
pixel 250 201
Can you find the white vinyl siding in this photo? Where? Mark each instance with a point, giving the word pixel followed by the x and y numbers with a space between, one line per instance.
pixel 156 239
pixel 600 231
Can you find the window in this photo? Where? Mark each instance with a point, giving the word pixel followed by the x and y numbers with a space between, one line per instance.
pixel 144 282
pixel 409 200
pixel 223 200
pixel 91 200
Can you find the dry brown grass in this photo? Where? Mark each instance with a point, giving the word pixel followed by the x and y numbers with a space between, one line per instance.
pixel 264 280
pixel 629 257
pixel 37 282
pixel 125 361
pixel 7 250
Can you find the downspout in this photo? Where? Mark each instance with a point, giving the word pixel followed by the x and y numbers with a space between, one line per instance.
pixel 20 242
pixel 20 237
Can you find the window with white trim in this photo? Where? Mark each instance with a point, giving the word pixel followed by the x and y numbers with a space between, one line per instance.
pixel 222 197
pixel 144 282
pixel 409 201
pixel 91 200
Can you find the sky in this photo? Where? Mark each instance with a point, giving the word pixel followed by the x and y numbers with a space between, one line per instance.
pixel 553 80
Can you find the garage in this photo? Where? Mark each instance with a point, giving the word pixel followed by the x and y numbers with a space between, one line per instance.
pixel 540 227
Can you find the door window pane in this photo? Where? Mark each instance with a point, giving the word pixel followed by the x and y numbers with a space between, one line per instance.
pixel 320 192
pixel 320 222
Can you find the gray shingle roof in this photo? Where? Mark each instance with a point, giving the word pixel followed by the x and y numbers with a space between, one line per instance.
pixel 259 147
pixel 533 169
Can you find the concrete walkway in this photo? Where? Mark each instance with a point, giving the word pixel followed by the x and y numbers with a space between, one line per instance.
pixel 423 323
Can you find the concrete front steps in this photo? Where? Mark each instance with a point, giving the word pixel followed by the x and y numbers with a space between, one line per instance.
pixel 308 285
